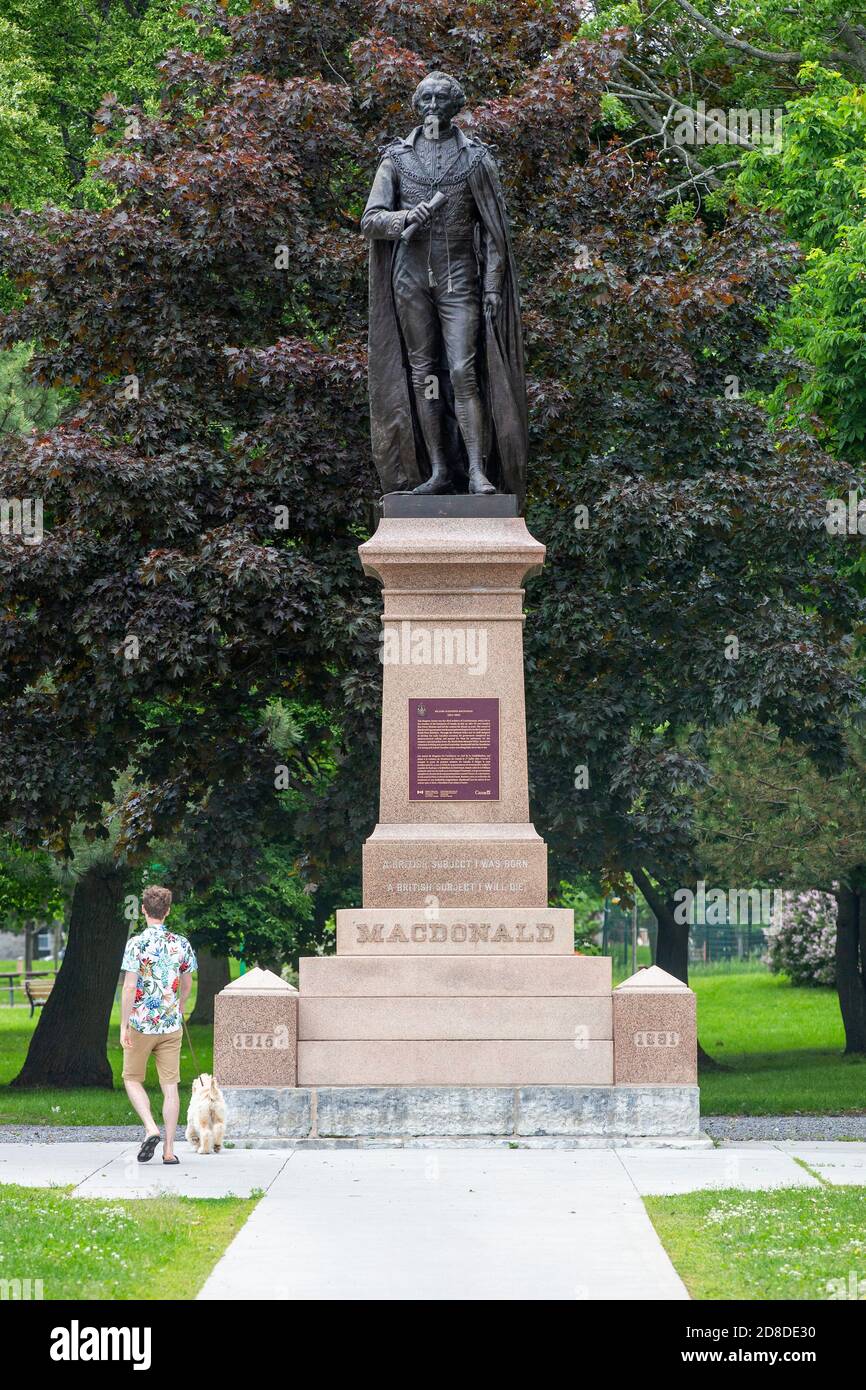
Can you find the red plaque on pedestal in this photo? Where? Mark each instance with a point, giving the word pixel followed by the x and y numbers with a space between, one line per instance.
pixel 454 750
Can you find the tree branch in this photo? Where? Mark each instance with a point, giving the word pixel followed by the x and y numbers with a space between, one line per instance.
pixel 655 123
pixel 740 45
pixel 707 175
pixel 853 39
pixel 651 893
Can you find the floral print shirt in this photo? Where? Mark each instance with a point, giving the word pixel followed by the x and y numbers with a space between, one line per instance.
pixel 160 957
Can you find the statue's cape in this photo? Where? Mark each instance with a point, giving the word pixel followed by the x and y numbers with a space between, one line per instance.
pixel 398 448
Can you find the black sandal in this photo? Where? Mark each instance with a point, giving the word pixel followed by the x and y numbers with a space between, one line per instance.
pixel 171 1161
pixel 148 1148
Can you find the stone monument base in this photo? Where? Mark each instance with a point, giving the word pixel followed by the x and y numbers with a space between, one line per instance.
pixel 463 1116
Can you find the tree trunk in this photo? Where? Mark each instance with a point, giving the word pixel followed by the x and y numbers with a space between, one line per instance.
pixel 672 941
pixel 213 975
pixel 672 947
pixel 851 908
pixel 272 963
pixel 68 1046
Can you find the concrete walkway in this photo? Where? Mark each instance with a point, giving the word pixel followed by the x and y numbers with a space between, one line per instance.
pixel 461 1225
pixel 112 1170
pixel 455 1224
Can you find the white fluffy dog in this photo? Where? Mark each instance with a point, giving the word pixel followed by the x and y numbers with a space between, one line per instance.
pixel 206 1117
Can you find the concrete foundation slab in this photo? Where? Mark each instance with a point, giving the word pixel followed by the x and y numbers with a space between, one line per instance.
pixel 396 1115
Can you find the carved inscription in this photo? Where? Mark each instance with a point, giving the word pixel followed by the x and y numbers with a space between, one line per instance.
pixel 439 934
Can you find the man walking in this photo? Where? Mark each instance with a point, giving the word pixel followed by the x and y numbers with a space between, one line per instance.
pixel 158 968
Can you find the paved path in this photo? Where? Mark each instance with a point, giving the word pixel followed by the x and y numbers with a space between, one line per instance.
pixel 456 1224
pixel 112 1170
pixel 461 1225
pixel 746 1166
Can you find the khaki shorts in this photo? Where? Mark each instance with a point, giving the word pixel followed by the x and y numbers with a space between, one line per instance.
pixel 163 1047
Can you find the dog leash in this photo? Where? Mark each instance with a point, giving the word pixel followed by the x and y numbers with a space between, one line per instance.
pixel 191 1048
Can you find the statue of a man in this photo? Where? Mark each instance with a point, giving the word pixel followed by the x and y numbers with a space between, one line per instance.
pixel 447 386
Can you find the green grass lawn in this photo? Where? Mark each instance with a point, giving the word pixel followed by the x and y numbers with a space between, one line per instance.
pixel 89 1248
pixel 800 1243
pixel 783 1045
pixel 85 1107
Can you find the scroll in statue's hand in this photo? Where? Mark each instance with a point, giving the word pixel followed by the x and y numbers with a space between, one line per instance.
pixel 419 215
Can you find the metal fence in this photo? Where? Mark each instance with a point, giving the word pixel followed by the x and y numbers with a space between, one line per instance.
pixel 718 949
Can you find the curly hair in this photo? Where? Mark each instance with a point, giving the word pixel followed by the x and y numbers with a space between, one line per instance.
pixel 457 91
pixel 156 900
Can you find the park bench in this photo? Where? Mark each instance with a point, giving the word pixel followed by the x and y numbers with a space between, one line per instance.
pixel 37 992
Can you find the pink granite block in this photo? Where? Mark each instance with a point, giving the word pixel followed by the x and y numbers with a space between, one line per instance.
pixel 454 576
pixel 489 1017
pixel 330 976
pixel 256 1032
pixel 426 1063
pixel 455 865
pixel 655 1031
pixel 506 931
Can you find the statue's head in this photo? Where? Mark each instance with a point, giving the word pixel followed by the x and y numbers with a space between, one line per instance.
pixel 437 98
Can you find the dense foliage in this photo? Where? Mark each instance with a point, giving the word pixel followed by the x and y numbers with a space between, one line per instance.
pixel 200 296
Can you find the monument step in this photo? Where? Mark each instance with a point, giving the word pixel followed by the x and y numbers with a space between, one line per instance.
pixel 526 1062
pixel 404 931
pixel 442 976
pixel 576 1020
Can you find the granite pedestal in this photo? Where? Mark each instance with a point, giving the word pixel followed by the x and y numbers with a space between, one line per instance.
pixel 456 1006
pixel 256 1032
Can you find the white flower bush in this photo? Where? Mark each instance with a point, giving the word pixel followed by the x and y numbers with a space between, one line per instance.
pixel 803 943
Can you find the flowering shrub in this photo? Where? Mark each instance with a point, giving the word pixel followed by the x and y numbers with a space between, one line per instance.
pixel 803 945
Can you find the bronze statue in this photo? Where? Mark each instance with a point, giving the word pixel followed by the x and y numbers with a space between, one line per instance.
pixel 447 387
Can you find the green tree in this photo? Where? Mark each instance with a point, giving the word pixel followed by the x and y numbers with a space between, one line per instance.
pixel 32 158
pixel 68 1045
pixel 25 405
pixel 802 69
pixel 818 182
pixel 29 886
pixel 60 58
